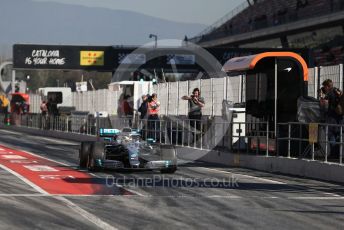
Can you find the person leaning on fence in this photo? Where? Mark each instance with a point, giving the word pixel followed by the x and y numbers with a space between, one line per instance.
pixel 196 103
pixel 331 101
pixel 153 115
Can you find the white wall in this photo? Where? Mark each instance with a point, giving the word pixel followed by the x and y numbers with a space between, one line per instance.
pixel 213 90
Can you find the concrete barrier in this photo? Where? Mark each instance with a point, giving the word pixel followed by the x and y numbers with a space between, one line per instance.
pixel 291 166
pixel 50 133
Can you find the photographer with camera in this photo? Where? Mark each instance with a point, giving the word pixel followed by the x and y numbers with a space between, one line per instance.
pixel 196 103
pixel 330 98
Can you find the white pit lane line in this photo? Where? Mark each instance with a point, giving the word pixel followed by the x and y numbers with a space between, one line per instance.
pixel 54 148
pixel 11 132
pixel 92 218
pixel 26 181
pixel 244 175
pixel 332 195
pixel 63 142
pixel 89 216
pixel 45 158
pixel 66 142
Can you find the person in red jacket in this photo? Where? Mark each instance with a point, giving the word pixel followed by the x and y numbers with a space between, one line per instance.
pixel 127 109
pixel 153 116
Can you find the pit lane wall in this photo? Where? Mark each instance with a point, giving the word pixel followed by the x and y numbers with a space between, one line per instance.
pixel 50 133
pixel 290 166
pixel 283 165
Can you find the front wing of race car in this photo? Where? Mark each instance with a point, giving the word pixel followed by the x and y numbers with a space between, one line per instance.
pixel 116 164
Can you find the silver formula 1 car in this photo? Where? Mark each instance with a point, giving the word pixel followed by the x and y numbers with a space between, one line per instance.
pixel 126 150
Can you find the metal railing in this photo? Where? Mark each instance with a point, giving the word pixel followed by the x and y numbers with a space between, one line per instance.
pixel 87 125
pixel 315 141
pixel 206 134
pixel 222 20
pixel 322 142
pixel 291 15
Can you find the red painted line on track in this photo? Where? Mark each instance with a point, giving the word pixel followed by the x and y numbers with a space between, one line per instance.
pixel 54 177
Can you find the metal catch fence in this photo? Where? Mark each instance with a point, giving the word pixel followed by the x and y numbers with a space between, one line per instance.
pixel 323 142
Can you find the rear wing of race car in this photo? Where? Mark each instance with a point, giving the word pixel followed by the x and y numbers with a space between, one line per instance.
pixel 115 132
pixel 109 132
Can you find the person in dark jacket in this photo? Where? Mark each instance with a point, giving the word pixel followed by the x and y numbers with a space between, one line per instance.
pixel 331 100
pixel 127 109
pixel 143 107
pixel 196 103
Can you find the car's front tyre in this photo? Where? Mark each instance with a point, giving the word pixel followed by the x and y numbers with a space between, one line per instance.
pixel 169 170
pixel 168 153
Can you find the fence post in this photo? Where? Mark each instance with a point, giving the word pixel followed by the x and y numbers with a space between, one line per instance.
pixel 277 135
pixel 289 136
pixel 160 131
pixel 168 98
pixel 194 135
pixel 213 130
pixel 212 96
pixel 201 135
pixel 326 142
pixel 146 128
pixel 341 77
pixel 316 81
pixel 267 139
pixel 177 133
pixel 183 133
pixel 97 125
pixel 225 88
pixel 178 98
pixel 341 146
pixel 238 145
pixel 67 128
pixel 300 137
pixel 166 134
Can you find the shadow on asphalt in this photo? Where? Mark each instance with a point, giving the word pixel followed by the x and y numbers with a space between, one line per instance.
pixel 161 181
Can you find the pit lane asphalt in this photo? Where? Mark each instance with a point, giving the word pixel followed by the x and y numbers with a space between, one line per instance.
pixel 198 195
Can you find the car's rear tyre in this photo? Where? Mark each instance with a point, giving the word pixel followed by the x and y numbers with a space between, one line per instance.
pixel 97 153
pixel 84 153
pixel 168 153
